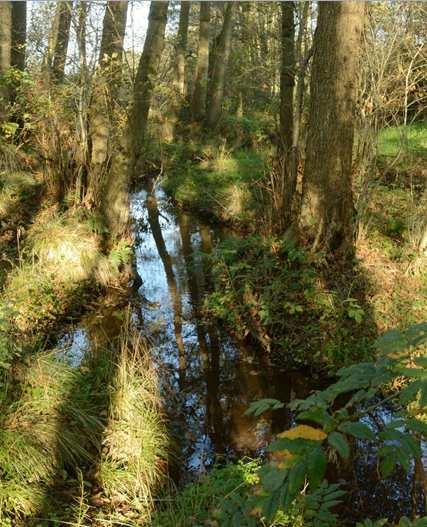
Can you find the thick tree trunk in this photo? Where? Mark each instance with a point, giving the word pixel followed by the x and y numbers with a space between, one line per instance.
pixel 198 103
pixel 219 66
pixel 287 82
pixel 58 40
pixel 19 33
pixel 181 48
pixel 108 185
pixel 327 195
pixel 147 70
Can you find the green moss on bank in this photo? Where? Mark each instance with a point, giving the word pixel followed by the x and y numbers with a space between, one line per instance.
pixel 225 185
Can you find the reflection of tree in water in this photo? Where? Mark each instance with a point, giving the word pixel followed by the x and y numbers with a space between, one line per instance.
pixel 153 220
pixel 206 336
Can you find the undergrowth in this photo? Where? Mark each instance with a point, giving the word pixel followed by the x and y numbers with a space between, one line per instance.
pixel 212 499
pixel 269 289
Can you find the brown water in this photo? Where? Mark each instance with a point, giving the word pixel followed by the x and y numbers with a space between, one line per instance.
pixel 208 379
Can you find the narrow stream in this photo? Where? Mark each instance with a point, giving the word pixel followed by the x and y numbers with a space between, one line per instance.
pixel 207 379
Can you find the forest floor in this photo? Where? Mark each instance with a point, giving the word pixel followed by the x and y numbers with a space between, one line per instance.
pixel 267 289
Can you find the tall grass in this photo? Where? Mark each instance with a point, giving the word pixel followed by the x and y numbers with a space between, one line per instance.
pixel 135 443
pixel 96 426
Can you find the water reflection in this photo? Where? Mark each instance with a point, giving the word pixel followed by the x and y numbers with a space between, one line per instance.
pixel 221 378
pixel 207 379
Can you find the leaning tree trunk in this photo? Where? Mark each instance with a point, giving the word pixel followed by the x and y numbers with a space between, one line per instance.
pixel 198 103
pixel 107 188
pixel 58 40
pixel 328 209
pixel 219 66
pixel 287 82
pixel 5 51
pixel 147 70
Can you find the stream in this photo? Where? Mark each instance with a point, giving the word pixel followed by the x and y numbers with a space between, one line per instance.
pixel 207 379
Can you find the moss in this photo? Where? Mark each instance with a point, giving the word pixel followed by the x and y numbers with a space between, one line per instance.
pixel 221 183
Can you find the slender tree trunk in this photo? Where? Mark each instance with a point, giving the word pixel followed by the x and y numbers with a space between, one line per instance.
pixel 83 103
pixel 58 40
pixel 181 48
pixel 219 66
pixel 328 209
pixel 198 103
pixel 287 82
pixel 5 51
pixel 147 70
pixel 19 33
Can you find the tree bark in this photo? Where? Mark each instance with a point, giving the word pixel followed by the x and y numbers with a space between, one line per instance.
pixel 287 82
pixel 58 40
pixel 219 66
pixel 108 182
pixel 198 103
pixel 5 36
pixel 113 32
pixel 145 77
pixel 19 33
pixel 5 51
pixel 327 208
pixel 181 47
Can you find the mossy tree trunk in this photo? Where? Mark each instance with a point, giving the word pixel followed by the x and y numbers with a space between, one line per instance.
pixel 58 40
pixel 108 184
pixel 327 208
pixel 219 67
pixel 145 77
pixel 198 102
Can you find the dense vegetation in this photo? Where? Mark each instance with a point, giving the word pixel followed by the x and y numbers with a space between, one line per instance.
pixel 297 130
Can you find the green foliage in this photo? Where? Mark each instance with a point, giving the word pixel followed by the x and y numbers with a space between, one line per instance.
pixel 267 287
pixel 103 413
pixel 362 383
pixel 217 497
pixel 262 405
pixel 120 254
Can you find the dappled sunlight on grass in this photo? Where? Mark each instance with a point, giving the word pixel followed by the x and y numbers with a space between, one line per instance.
pixel 93 431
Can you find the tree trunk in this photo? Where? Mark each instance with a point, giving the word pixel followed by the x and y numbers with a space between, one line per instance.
pixel 58 40
pixel 147 70
pixel 328 209
pixel 108 185
pixel 5 51
pixel 219 66
pixel 287 82
pixel 113 33
pixel 198 103
pixel 181 48
pixel 19 33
